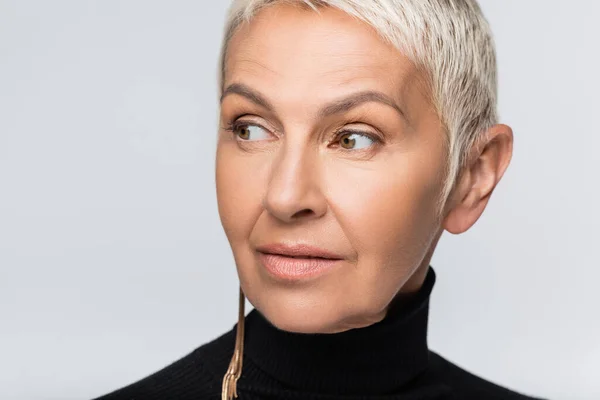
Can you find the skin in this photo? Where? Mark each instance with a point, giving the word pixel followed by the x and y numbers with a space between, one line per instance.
pixel 285 175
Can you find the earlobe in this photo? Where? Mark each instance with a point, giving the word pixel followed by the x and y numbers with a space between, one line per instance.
pixel 488 163
pixel 459 218
pixel 464 215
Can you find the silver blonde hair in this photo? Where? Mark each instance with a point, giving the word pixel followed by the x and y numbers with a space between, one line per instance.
pixel 450 40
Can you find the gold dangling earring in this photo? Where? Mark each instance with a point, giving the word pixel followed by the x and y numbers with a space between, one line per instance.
pixel 234 371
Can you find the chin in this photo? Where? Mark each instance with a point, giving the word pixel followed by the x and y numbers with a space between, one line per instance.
pixel 291 323
pixel 298 319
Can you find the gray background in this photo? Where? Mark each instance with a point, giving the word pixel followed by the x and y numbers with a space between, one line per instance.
pixel 113 262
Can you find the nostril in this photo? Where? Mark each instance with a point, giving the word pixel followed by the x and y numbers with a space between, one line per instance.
pixel 303 213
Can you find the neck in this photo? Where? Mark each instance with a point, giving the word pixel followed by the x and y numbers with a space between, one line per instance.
pixel 375 359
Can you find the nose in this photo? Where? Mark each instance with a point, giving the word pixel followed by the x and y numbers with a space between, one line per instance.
pixel 294 190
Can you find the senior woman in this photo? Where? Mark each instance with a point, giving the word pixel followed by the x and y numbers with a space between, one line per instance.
pixel 352 134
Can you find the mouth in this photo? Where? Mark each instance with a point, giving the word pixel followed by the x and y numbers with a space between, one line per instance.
pixel 297 262
pixel 306 257
pixel 301 251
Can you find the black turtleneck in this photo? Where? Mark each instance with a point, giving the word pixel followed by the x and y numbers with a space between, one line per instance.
pixel 389 360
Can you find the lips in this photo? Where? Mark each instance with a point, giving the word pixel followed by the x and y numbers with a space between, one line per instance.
pixel 298 251
pixel 297 262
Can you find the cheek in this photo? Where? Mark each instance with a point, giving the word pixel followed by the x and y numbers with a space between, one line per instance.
pixel 238 192
pixel 387 211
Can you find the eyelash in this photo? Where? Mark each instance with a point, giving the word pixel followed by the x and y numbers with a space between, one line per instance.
pixel 232 126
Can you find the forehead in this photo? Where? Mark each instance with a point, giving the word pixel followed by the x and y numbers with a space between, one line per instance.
pixel 289 51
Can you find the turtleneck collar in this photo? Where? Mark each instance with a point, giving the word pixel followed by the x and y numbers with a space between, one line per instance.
pixel 377 359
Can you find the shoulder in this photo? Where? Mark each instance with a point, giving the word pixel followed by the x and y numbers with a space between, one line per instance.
pixel 193 376
pixel 468 386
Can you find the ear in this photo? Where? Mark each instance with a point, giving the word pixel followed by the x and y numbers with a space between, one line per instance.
pixel 487 162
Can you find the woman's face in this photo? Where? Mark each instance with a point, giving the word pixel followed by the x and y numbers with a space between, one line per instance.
pixel 328 140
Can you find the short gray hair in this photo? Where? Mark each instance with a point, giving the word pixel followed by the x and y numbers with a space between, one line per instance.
pixel 448 39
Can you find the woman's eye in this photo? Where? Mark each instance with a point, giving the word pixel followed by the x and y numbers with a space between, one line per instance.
pixel 250 132
pixel 355 140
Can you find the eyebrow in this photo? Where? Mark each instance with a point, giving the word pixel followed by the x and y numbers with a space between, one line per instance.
pixel 337 106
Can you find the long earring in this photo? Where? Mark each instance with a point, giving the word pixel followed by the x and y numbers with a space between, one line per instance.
pixel 234 371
